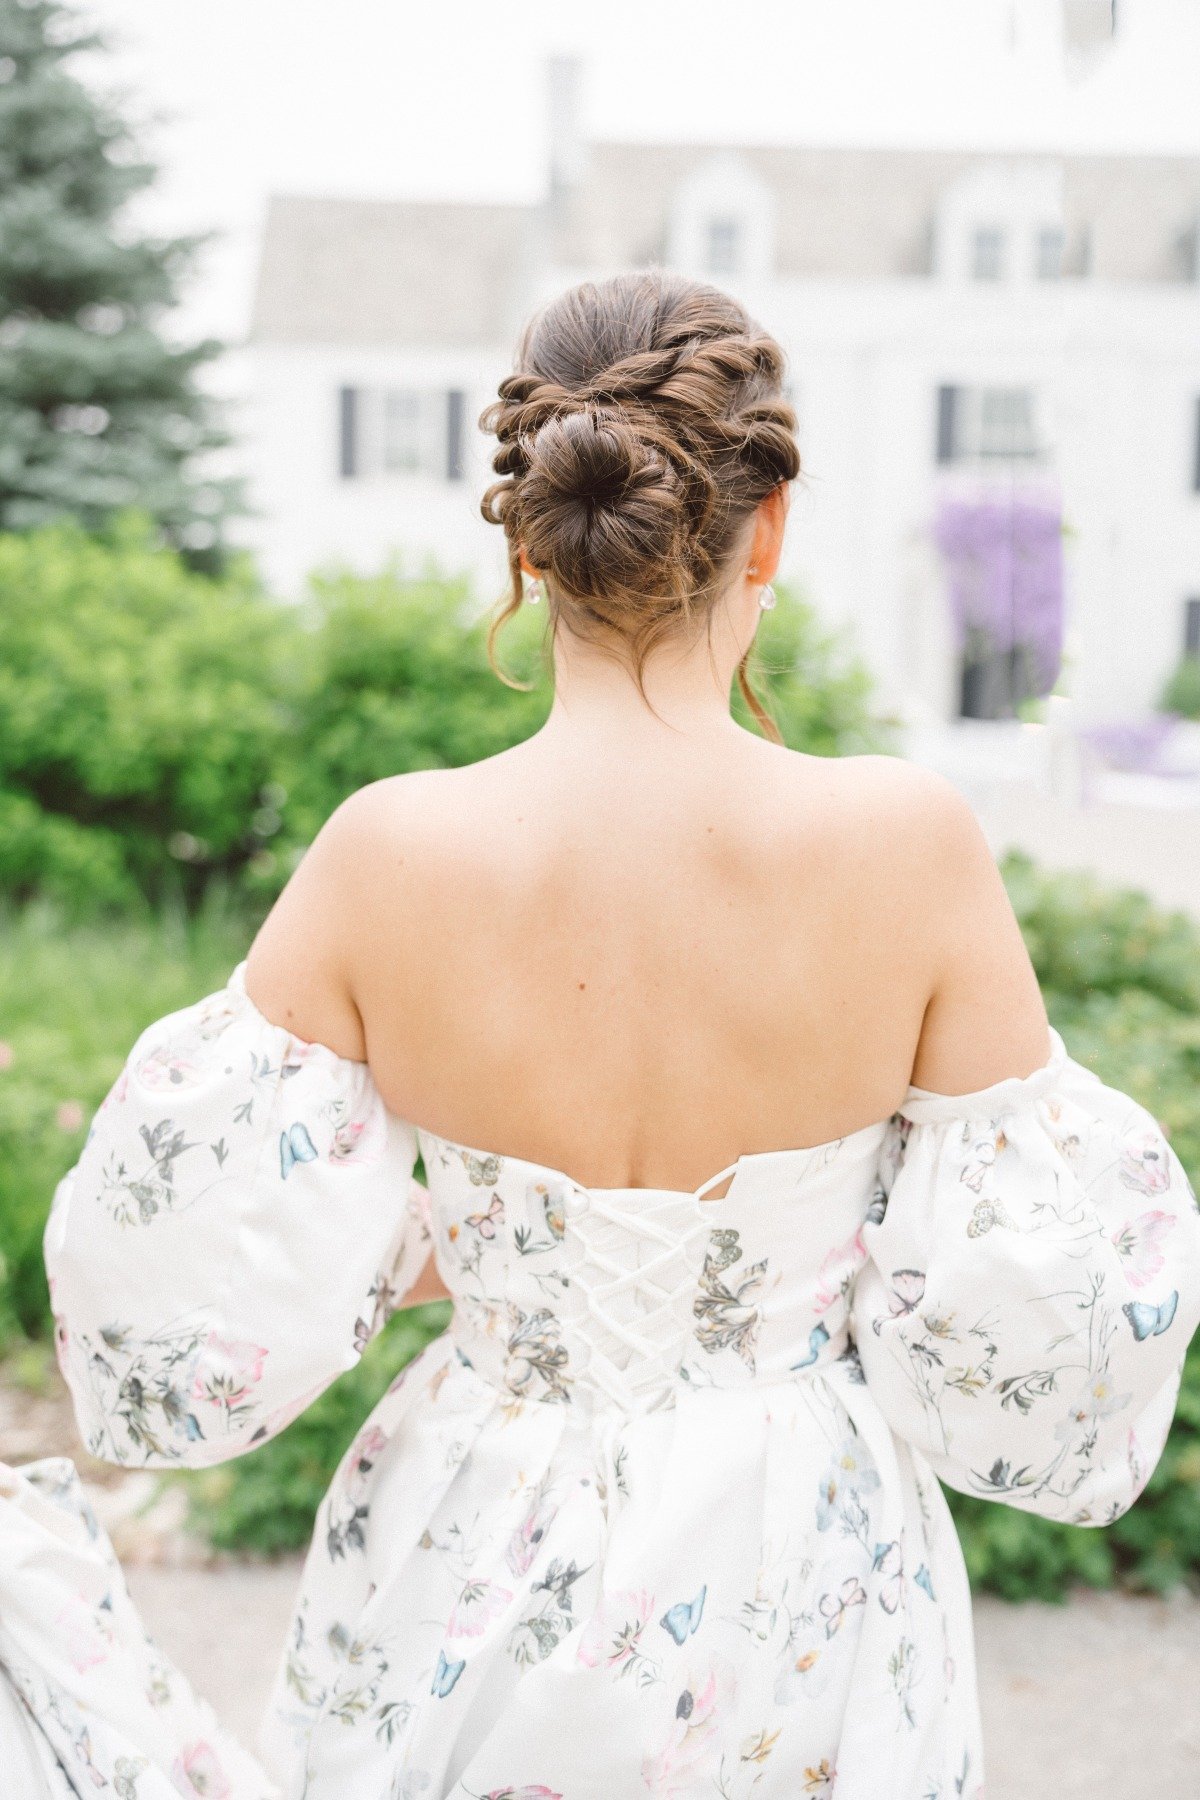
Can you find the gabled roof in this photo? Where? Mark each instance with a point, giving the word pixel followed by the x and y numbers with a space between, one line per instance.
pixel 368 272
pixel 868 214
pixel 433 274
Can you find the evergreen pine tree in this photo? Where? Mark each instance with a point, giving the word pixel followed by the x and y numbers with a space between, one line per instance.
pixel 98 411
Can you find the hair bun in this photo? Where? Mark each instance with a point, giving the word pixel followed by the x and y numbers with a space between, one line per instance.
pixel 642 424
pixel 600 503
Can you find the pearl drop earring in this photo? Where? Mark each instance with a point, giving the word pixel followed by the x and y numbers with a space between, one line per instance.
pixel 767 598
pixel 533 592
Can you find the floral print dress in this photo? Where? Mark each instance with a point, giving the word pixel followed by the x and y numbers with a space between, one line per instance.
pixel 88 1705
pixel 660 1512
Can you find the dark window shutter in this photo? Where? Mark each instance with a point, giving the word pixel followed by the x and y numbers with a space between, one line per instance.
pixel 456 417
pixel 947 411
pixel 1191 627
pixel 348 433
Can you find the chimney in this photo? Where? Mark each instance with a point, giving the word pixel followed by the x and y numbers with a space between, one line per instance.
pixel 1089 27
pixel 564 92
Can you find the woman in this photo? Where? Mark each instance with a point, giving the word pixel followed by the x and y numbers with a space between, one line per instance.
pixel 657 1514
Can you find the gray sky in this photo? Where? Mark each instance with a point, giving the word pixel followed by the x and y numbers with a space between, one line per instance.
pixel 242 98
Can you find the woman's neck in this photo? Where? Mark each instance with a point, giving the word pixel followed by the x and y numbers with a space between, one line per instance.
pixel 686 686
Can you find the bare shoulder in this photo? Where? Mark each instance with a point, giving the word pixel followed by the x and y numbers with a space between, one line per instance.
pixel 917 798
pixel 899 814
pixel 416 822
pixel 369 860
pixel 386 810
pixel 930 887
pixel 901 852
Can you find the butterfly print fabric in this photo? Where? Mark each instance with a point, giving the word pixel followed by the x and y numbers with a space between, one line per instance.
pixel 659 1513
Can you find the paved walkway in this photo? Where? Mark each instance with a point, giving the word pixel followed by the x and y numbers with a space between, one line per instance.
pixel 1096 1700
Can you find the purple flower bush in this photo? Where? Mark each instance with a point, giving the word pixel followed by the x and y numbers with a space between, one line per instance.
pixel 1005 564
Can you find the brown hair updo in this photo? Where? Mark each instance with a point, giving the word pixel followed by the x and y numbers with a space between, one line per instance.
pixel 643 423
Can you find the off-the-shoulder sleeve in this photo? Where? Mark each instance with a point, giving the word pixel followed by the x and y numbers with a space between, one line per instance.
pixel 239 1223
pixel 1032 1282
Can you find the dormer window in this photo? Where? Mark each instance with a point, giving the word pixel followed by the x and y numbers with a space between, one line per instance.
pixel 721 219
pixel 987 253
pixel 723 245
pixel 1048 261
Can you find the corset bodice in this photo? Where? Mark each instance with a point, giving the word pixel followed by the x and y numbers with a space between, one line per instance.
pixel 604 1297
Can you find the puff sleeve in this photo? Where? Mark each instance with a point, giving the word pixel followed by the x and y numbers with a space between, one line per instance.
pixel 1031 1284
pixel 240 1221
pixel 88 1703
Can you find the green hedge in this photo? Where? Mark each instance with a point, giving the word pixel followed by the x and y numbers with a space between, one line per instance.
pixel 142 715
pixel 160 728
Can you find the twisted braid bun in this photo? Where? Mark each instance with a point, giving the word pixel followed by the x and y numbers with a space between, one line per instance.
pixel 602 505
pixel 640 429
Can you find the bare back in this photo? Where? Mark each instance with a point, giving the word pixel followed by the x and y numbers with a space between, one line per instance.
pixel 637 960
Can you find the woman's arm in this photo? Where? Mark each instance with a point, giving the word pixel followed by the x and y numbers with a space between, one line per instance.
pixel 299 969
pixel 985 1019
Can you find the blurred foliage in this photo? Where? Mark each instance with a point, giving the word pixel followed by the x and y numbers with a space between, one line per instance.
pixel 817 691
pixel 1087 939
pixel 142 717
pixel 73 997
pixel 159 728
pixel 1182 692
pixel 394 676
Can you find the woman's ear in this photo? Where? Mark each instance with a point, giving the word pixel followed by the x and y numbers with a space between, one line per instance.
pixel 769 521
pixel 526 566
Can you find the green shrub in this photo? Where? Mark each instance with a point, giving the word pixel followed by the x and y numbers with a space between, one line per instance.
pixel 141 716
pixel 395 676
pixel 160 728
pixel 1182 693
pixel 818 691
pixel 1086 938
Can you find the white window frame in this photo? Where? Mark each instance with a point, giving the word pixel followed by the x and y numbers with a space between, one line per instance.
pixel 990 423
pixel 989 252
pixel 727 231
pixel 1049 252
pixel 413 447
pixel 998 424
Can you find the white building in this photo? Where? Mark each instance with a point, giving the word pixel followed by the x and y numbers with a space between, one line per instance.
pixel 955 323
